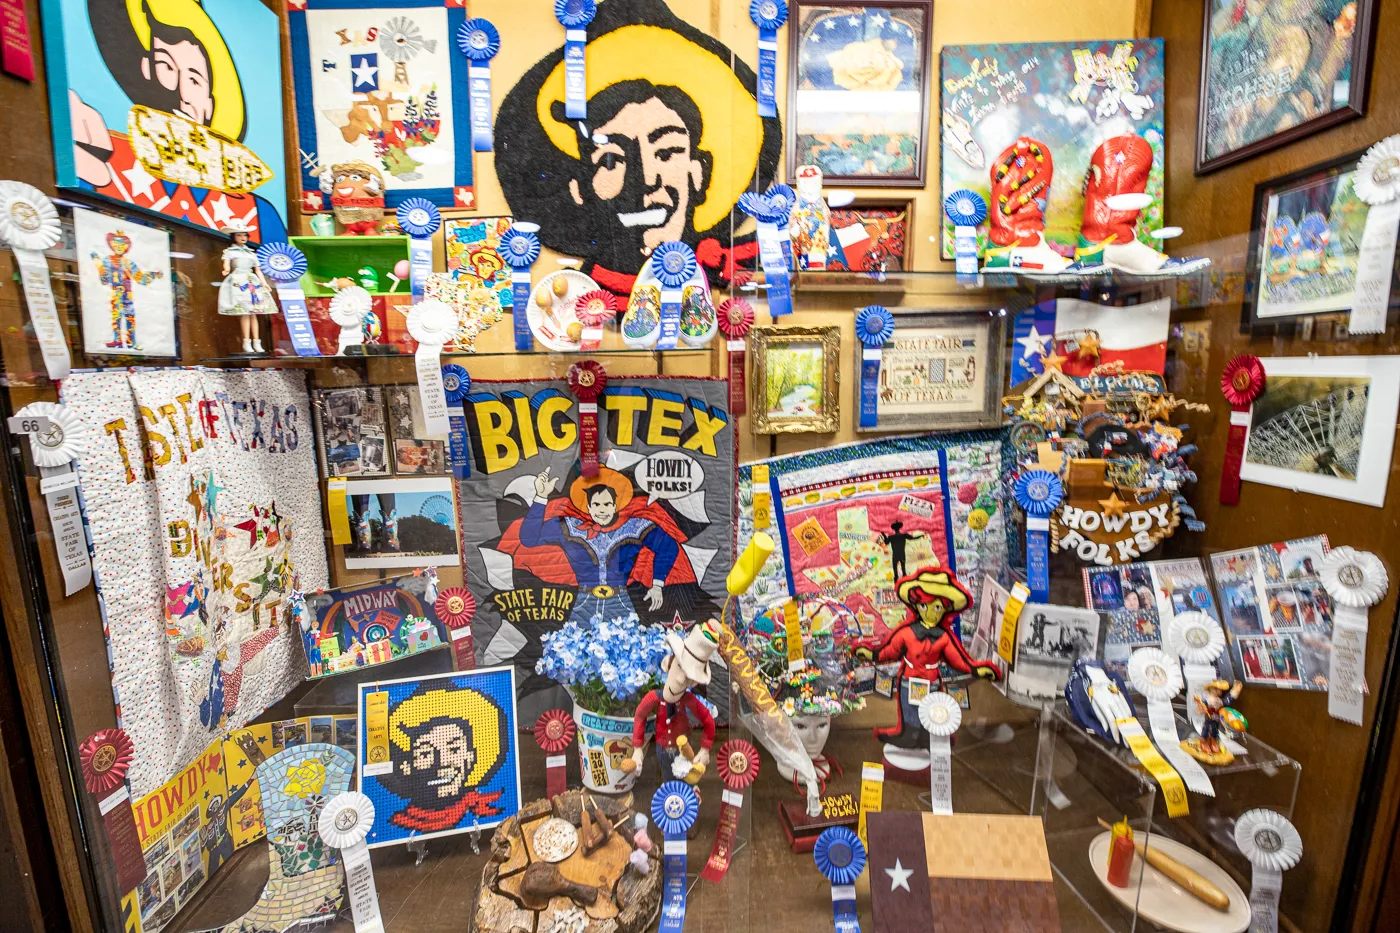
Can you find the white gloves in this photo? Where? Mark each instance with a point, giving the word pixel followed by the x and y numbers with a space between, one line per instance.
pixel 1109 704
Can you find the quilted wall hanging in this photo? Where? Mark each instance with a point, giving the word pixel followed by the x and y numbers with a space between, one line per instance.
pixel 196 492
pixel 647 70
pixel 383 83
pixel 849 520
pixel 543 545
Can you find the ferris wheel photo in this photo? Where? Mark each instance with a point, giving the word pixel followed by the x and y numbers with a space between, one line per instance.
pixel 1312 425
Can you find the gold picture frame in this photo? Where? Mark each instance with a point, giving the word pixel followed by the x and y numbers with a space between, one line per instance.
pixel 796 357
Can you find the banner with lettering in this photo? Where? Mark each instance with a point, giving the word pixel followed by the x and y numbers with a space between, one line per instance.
pixel 199 497
pixel 542 545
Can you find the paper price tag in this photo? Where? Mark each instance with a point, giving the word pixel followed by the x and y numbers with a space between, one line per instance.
pixel 27 424
pixel 377 734
pixel 340 519
pixel 792 630
pixel 1006 642
pixel 872 794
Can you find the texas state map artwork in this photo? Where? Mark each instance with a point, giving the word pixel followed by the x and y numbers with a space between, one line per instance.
pixel 543 545
pixel 197 493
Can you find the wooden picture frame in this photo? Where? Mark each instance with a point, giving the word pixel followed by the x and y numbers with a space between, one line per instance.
pixel 1323 190
pixel 927 362
pixel 1314 67
pixel 890 30
pixel 892 235
pixel 798 356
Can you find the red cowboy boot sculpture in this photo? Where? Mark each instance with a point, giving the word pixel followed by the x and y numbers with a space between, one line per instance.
pixel 1021 178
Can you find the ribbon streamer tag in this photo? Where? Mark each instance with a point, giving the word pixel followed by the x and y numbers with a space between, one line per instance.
pixel 870 387
pixel 762 498
pixel 420 263
pixel 66 521
pixel 940 715
pixel 340 519
pixel 377 734
pixel 1162 721
pixel 768 16
pixel 738 402
pixel 674 809
pixel 359 884
pixel 16 56
pixel 737 763
pixel 1272 845
pixel 427 360
pixel 872 794
pixel 123 839
pixel 840 856
pixel 43 313
pixel 587 380
pixel 1006 641
pixel 1241 382
pixel 1375 262
pixel 520 300
pixel 670 318
pixel 792 632
pixel 1173 791
pixel 343 823
pixel 479 41
pixel 458 443
pixel 1038 493
pixel 298 319
pixel 775 271
pixel 1346 697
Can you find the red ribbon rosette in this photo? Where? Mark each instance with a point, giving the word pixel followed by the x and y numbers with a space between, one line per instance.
pixel 594 309
pixel 554 730
pixel 737 762
pixel 1241 382
pixel 105 756
pixel 455 607
pixel 735 319
pixel 587 380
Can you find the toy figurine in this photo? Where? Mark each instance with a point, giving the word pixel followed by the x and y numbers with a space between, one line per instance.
pixel 356 190
pixel 244 292
pixel 1207 746
pixel 926 640
pixel 688 665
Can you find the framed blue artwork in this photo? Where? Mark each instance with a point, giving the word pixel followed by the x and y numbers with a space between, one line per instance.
pixel 438 754
pixel 382 82
pixel 173 107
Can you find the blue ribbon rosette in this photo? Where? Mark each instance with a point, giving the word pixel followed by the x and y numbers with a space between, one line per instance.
pixel 782 199
pixel 874 327
pixel 673 263
pixel 1038 493
pixel 840 856
pixel 966 209
pixel 574 16
pixel 284 264
pixel 420 219
pixel 519 250
pixel 768 16
pixel 479 42
pixel 770 250
pixel 456 383
pixel 674 807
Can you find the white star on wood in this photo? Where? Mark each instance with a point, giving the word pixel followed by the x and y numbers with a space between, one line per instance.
pixel 899 876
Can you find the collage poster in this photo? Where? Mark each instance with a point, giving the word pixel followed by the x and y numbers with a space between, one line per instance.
pixel 542 545
pixel 1277 613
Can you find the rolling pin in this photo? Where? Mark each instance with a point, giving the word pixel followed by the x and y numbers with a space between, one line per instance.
pixel 1187 878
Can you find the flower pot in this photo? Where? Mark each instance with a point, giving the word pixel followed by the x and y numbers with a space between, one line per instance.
pixel 604 743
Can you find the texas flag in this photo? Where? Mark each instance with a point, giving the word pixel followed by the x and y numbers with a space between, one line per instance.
pixel 960 873
pixel 1089 335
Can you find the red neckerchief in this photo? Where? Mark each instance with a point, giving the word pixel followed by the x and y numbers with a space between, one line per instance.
pixel 437 820
pixel 709 252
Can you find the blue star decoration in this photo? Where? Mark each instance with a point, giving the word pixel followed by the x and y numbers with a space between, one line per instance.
pixel 365 69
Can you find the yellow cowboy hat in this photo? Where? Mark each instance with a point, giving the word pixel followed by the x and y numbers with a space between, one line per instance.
pixel 733 132
pixel 935 583
pixel 224 85
pixel 460 704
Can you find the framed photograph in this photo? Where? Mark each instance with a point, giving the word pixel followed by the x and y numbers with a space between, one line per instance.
pixel 1275 71
pixel 174 109
pixel 1325 425
pixel 439 754
pixel 1070 97
pixel 872 237
pixel 383 83
pixel 1049 639
pixel 796 387
pixel 124 283
pixel 401 523
pixel 858 91
pixel 1305 243
pixel 940 371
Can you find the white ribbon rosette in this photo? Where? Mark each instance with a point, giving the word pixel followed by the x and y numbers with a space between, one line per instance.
pixel 1272 846
pixel 1356 581
pixel 348 309
pixel 1199 641
pixel 1157 676
pixel 1376 181
pixel 344 823
pixel 432 323
pixel 54 449
pixel 29 224
pixel 940 715
pixel 66 438
pixel 1377 178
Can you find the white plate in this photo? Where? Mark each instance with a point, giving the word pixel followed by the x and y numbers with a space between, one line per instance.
pixel 1166 903
pixel 551 331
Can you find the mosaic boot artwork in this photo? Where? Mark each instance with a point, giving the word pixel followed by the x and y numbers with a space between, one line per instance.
pixel 304 873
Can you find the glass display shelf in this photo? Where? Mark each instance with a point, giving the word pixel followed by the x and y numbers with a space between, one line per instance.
pixel 292 360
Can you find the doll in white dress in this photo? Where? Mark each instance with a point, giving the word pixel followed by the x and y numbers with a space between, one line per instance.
pixel 244 292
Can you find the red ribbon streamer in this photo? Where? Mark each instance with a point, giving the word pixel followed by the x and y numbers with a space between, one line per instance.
pixel 455 607
pixel 104 758
pixel 737 763
pixel 1241 382
pixel 587 380
pixel 594 309
pixel 16 53
pixel 554 730
pixel 735 319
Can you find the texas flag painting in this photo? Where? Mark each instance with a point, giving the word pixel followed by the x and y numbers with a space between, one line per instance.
pixel 960 873
pixel 1089 335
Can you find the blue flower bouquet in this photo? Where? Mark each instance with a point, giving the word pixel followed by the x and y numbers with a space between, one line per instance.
pixel 606 667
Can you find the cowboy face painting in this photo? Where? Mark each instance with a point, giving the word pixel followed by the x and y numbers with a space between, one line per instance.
pixel 666 149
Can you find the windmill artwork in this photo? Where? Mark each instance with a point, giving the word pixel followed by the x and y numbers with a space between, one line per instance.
pixel 384 86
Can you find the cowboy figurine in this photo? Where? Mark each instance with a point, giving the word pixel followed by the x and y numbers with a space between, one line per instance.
pixel 673 705
pixel 1217 716
pixel 926 640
